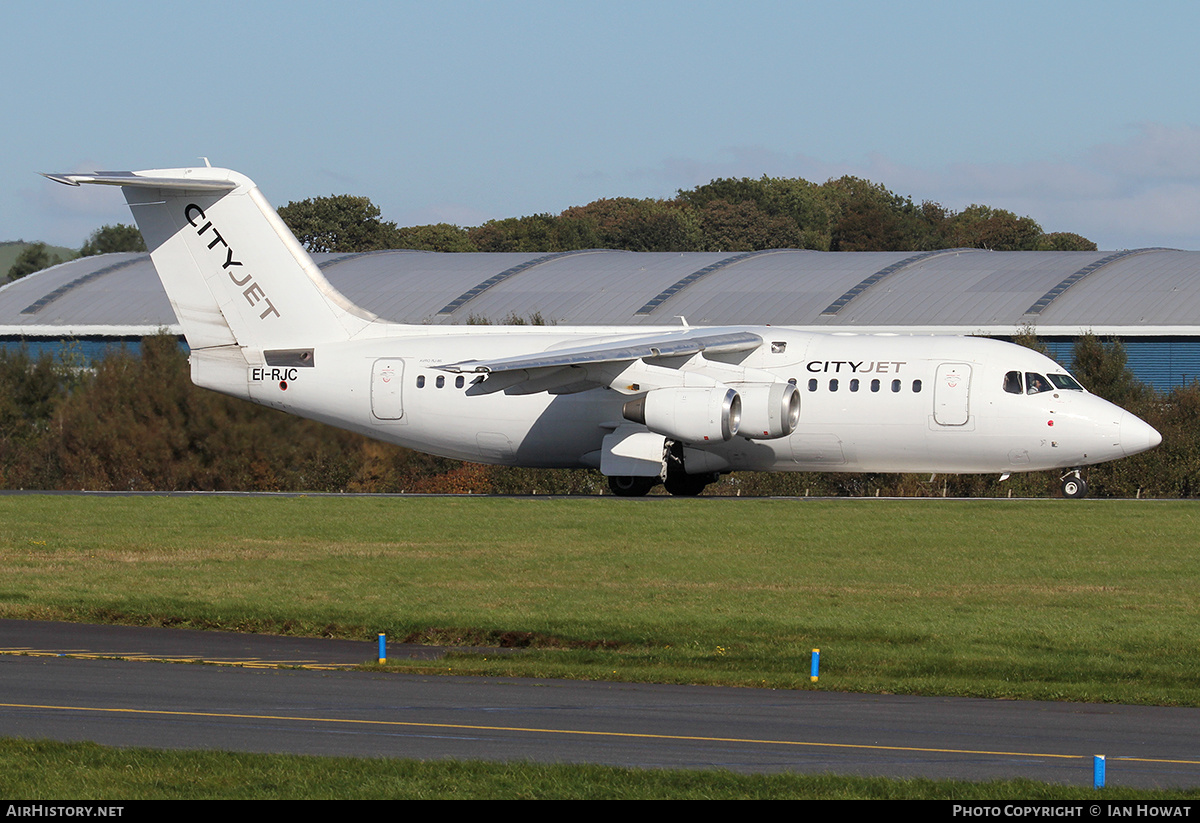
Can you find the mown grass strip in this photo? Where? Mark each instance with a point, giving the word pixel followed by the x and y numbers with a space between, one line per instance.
pixel 1076 600
pixel 45 770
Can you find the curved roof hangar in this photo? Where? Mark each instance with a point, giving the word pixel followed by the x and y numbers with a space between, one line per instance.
pixel 1144 292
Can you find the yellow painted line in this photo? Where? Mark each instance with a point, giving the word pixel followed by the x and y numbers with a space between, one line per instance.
pixel 586 733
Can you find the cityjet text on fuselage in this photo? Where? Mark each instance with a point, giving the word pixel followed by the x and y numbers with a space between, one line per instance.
pixel 855 366
pixel 253 292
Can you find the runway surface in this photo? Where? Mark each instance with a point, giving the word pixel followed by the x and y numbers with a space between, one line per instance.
pixel 256 706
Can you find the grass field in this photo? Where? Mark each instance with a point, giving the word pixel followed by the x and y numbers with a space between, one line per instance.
pixel 1072 600
pixel 85 771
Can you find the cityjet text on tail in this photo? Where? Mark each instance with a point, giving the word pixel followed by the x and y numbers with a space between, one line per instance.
pixel 643 405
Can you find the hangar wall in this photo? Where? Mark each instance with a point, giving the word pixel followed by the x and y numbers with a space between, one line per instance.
pixel 1148 298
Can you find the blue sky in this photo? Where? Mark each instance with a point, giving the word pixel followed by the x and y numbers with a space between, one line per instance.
pixel 1082 115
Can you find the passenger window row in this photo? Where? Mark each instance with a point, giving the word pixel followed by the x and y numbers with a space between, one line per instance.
pixel 854 384
pixel 440 381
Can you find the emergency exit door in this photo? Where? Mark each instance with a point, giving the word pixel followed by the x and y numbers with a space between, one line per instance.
pixel 387 378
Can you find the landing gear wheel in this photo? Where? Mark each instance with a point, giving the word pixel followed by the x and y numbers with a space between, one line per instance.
pixel 687 485
pixel 1074 487
pixel 627 486
pixel 676 480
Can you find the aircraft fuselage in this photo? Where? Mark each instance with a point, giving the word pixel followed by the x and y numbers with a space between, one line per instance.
pixel 875 403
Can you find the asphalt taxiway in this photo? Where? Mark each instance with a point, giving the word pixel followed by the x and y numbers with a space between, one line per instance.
pixel 104 684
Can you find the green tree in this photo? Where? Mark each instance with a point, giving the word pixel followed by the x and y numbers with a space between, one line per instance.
pixel 29 388
pixel 537 232
pixel 983 227
pixel 810 206
pixel 805 208
pixel 340 223
pixel 631 224
pixel 869 217
pixel 729 190
pixel 35 257
pixel 136 421
pixel 1101 366
pixel 109 239
pixel 441 237
pixel 1064 241
pixel 1173 469
pixel 1027 336
pixel 746 227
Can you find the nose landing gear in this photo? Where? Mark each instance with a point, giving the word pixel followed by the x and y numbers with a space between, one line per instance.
pixel 1073 485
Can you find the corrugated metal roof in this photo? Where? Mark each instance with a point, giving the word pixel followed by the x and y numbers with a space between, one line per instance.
pixel 1156 292
pixel 105 291
pixel 1143 290
pixel 974 289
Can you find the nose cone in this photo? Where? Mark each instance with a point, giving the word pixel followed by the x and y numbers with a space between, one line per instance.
pixel 1137 435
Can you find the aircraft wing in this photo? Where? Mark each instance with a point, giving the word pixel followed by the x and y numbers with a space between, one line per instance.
pixel 628 351
pixel 583 367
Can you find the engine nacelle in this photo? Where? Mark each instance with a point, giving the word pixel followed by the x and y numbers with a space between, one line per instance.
pixel 769 410
pixel 689 415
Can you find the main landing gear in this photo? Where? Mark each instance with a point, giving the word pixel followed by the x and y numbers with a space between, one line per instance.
pixel 677 481
pixel 688 485
pixel 1073 485
pixel 681 485
pixel 625 486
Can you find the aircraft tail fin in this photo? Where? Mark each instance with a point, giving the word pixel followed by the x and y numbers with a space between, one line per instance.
pixel 233 271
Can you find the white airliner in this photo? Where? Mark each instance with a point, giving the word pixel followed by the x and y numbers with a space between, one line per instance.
pixel 677 405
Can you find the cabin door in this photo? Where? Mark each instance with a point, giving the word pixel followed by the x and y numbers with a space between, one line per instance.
pixel 952 394
pixel 386 379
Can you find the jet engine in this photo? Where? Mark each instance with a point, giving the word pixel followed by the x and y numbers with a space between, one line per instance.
pixel 689 415
pixel 769 410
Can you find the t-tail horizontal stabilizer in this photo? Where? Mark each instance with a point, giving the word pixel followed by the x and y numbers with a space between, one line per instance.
pixel 234 273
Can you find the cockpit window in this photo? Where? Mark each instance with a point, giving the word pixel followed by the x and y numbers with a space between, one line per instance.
pixel 1035 383
pixel 1064 381
pixel 1012 383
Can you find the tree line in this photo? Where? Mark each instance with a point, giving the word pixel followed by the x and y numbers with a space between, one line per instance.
pixel 104 240
pixel 134 421
pixel 725 215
